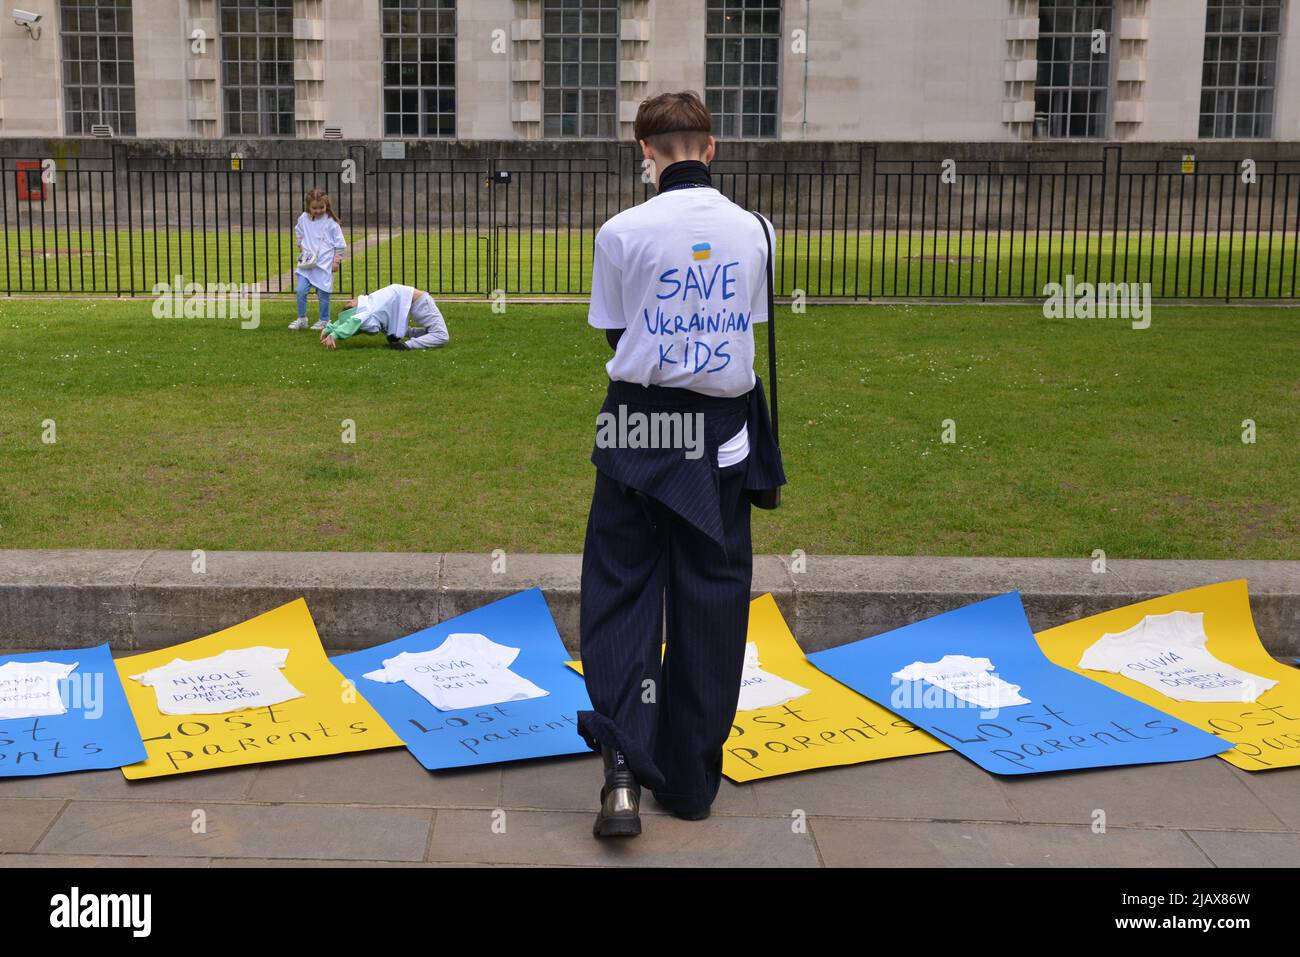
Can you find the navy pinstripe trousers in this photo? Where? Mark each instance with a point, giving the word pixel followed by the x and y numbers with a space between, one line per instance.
pixel 644 565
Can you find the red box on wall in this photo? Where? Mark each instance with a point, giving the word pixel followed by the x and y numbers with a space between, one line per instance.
pixel 30 185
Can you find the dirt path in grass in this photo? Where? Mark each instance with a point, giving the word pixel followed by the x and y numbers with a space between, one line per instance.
pixel 285 280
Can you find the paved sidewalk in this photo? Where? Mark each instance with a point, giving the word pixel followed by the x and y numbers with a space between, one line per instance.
pixel 382 807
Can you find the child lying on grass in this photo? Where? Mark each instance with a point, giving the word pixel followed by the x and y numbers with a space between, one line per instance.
pixel 391 311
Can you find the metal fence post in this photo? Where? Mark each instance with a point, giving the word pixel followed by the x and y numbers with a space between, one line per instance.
pixel 866 205
pixel 1112 159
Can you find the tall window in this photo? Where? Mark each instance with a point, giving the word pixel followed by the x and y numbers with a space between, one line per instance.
pixel 98 65
pixel 1240 69
pixel 742 41
pixel 1074 41
pixel 419 67
pixel 257 66
pixel 579 67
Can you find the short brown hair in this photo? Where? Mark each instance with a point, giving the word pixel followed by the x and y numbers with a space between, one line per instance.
pixel 674 123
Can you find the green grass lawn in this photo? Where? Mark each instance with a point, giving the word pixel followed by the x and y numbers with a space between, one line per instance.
pixel 36 259
pixel 471 262
pixel 1072 435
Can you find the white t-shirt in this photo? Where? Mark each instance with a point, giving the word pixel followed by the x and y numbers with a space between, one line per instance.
pixel 319 241
pixel 30 689
pixel 465 671
pixel 685 274
pixel 234 680
pixel 970 679
pixel 762 689
pixel 1167 653
pixel 381 310
pixel 735 449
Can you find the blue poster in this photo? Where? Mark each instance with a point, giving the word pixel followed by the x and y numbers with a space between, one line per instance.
pixel 64 711
pixel 976 680
pixel 487 686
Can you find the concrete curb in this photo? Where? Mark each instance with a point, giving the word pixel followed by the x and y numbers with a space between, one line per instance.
pixel 150 599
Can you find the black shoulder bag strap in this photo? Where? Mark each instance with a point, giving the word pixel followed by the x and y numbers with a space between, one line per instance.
pixel 771 330
pixel 769 498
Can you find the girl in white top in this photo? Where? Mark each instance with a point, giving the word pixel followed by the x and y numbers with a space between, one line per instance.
pixel 320 247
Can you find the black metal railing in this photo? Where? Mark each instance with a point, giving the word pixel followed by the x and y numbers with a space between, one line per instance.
pixel 868 227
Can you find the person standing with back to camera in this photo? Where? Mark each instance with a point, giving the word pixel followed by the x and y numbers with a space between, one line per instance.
pixel 677 284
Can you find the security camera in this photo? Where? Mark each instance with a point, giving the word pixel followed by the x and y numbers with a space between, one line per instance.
pixel 31 21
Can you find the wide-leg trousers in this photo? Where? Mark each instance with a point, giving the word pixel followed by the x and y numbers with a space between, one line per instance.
pixel 644 567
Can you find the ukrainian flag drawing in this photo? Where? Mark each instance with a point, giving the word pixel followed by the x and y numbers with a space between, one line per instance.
pixel 701 251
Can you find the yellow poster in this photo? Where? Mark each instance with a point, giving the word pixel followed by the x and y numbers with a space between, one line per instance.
pixel 831 725
pixel 262 690
pixel 1266 731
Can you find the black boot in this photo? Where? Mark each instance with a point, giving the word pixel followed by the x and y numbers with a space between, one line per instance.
pixel 620 799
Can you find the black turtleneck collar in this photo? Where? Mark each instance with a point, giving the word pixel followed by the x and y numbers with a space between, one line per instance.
pixel 685 174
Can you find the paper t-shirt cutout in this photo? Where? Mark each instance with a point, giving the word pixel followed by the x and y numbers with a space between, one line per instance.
pixel 1072 722
pixel 234 680
pixel 30 689
pixel 85 724
pixel 761 689
pixel 970 679
pixel 328 717
pixel 1265 735
pixel 467 670
pixel 1167 653
pixel 511 731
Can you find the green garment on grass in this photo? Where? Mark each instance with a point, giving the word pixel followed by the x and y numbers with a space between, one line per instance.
pixel 345 325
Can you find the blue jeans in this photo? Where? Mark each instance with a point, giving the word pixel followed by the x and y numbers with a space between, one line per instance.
pixel 304 287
